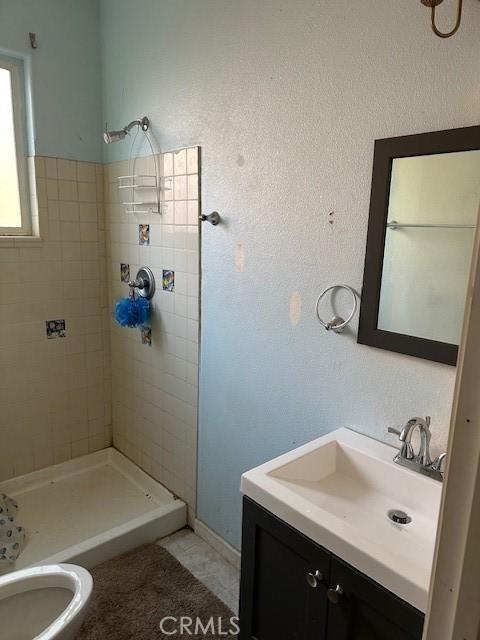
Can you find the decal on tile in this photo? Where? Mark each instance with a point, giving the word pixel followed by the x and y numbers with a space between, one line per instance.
pixel 144 234
pixel 124 272
pixel 55 329
pixel 168 280
pixel 146 333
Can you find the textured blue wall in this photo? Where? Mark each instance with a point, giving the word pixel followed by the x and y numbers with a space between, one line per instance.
pixel 286 98
pixel 65 72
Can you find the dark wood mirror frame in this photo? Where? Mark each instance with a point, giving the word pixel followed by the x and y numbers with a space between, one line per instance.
pixel 386 150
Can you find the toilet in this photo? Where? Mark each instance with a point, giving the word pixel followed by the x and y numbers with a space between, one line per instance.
pixel 44 602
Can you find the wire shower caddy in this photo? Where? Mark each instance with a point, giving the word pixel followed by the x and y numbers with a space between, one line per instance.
pixel 142 192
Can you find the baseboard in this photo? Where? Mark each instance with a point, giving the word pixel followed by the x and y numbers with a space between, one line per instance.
pixel 229 553
pixel 191 517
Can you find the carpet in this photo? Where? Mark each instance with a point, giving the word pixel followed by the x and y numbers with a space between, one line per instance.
pixel 134 592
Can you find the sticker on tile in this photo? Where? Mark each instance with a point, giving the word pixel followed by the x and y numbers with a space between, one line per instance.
pixel 55 329
pixel 146 333
pixel 124 272
pixel 144 234
pixel 168 280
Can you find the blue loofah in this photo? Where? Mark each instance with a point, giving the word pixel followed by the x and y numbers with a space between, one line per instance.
pixel 131 312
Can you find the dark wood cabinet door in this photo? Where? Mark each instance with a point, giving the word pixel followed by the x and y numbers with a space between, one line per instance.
pixel 367 611
pixel 276 600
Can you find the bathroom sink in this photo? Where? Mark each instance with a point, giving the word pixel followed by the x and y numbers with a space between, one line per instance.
pixel 342 491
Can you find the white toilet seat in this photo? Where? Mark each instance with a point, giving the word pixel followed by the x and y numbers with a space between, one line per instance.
pixel 64 576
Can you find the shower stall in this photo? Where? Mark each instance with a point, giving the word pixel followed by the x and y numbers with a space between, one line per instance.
pixel 99 420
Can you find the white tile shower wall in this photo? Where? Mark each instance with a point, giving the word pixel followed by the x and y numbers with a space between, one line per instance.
pixel 55 393
pixel 154 388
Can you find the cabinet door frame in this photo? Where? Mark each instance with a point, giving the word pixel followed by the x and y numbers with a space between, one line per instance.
pixel 254 519
pixel 358 588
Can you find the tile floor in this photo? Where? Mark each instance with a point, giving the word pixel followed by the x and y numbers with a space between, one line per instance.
pixel 206 564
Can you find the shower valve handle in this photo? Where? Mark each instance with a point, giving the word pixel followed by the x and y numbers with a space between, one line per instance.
pixel 144 283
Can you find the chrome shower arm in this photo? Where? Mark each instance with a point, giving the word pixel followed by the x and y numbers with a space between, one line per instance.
pixel 144 123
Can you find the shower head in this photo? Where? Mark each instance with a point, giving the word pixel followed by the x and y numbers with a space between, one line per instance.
pixel 115 136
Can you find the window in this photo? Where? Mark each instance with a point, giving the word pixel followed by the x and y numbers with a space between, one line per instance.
pixel 15 217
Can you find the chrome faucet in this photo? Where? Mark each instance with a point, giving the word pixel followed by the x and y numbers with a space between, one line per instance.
pixel 420 461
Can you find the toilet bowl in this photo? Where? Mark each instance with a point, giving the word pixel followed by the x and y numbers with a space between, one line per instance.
pixel 44 603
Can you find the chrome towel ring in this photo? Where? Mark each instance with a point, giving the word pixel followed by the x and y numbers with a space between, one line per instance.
pixel 337 324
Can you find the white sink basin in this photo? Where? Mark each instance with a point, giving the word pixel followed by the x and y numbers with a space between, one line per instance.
pixel 338 490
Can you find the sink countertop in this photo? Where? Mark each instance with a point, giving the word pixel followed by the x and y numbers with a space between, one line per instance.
pixel 337 491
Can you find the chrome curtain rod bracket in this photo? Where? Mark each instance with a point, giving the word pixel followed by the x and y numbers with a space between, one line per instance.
pixel 214 218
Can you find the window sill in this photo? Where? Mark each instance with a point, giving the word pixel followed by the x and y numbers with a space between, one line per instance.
pixel 15 242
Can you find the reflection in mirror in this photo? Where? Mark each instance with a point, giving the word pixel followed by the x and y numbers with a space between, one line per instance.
pixel 432 213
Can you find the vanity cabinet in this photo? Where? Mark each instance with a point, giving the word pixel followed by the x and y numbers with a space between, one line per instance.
pixel 293 589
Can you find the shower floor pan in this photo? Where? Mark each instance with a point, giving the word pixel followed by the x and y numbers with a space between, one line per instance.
pixel 91 509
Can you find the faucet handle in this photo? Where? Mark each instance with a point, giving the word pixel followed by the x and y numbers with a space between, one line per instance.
pixel 439 462
pixel 397 432
pixel 406 450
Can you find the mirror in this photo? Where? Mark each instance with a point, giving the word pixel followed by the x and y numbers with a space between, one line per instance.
pixel 423 214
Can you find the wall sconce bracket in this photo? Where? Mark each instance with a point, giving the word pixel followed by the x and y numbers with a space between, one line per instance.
pixel 433 4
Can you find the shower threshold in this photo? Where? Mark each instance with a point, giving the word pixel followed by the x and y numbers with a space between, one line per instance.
pixel 90 509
